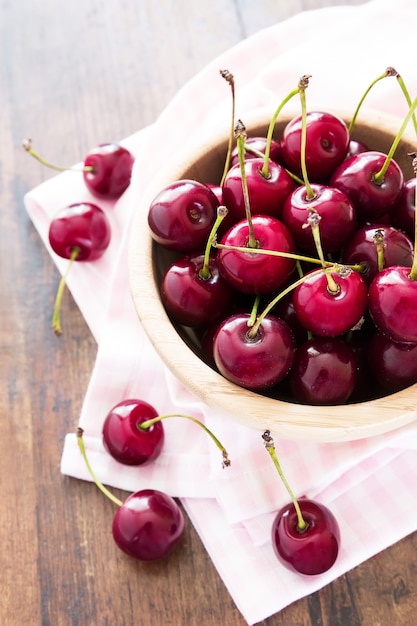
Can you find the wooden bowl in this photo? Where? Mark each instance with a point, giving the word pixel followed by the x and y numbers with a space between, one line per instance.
pixel 179 347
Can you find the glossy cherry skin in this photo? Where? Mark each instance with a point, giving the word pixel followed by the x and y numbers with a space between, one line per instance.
pixel 266 194
pixel 84 226
pixel 190 299
pixel 393 365
pixel 403 213
pixel 125 440
pixel 392 303
pixel 327 143
pixel 182 214
pixel 254 363
pixel 259 145
pixel 356 147
pixel 312 551
pixel 337 213
pixel 355 177
pixel 324 371
pixel 362 248
pixel 148 525
pixel 112 170
pixel 328 314
pixel 257 273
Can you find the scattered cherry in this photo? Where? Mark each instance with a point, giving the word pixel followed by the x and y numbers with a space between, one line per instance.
pixel 312 550
pixel 79 232
pixel 125 440
pixel 305 534
pixel 83 226
pixel 148 525
pixel 107 169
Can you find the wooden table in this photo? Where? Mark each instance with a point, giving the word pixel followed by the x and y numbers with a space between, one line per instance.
pixel 73 74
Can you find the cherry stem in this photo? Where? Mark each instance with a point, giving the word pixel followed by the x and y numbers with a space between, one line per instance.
pixel 230 79
pixel 240 134
pixel 407 97
pixel 378 178
pixel 205 270
pixel 413 272
pixel 302 85
pixel 390 71
pixel 27 145
pixel 100 485
pixel 148 423
pixel 254 312
pixel 270 447
pixel 339 269
pixel 379 241
pixel 254 330
pixel 313 222
pixel 287 255
pixel 310 193
pixel 56 316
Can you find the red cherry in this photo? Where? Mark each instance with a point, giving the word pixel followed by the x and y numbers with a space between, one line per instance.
pixel 258 362
pixel 83 226
pixel 148 525
pixel 327 143
pixel 362 248
pixel 125 440
pixel 392 364
pixel 356 147
pixel 356 178
pixel 182 214
pixel 191 299
pixel 337 217
pixel 403 213
pixel 111 171
pixel 324 371
pixel 267 194
pixel 329 314
pixel 257 273
pixel 313 550
pixel 257 144
pixel 392 304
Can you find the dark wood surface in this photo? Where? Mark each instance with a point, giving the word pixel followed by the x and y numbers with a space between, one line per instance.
pixel 73 74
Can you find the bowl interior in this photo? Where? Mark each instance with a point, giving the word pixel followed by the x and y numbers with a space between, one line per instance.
pixel 180 347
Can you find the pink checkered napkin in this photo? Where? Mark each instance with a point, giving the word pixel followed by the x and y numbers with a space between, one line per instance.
pixel 370 484
pixel 373 514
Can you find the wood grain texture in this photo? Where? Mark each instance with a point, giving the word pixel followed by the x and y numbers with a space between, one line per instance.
pixel 73 74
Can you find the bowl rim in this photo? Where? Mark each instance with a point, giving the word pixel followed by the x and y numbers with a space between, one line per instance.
pixel 336 423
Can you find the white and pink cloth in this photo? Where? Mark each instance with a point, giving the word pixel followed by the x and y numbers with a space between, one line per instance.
pixel 369 484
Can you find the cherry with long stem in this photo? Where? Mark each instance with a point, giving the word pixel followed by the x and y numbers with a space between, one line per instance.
pixel 305 534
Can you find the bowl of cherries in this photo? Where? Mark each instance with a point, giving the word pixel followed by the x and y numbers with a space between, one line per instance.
pixel 274 270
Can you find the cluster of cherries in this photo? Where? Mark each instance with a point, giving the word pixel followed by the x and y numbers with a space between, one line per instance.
pixel 81 231
pixel 298 271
